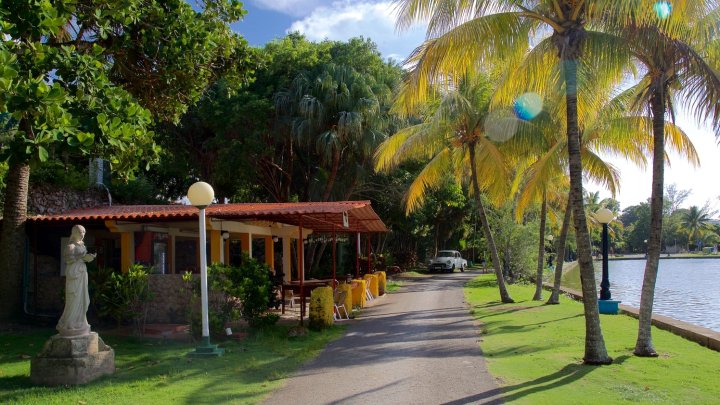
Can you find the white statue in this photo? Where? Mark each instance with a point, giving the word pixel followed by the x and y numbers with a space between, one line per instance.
pixel 74 321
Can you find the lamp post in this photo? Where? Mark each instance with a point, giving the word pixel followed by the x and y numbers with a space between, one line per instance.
pixel 604 216
pixel 201 195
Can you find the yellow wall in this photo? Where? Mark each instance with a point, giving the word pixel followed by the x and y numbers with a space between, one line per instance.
pixel 270 253
pixel 215 246
pixel 127 251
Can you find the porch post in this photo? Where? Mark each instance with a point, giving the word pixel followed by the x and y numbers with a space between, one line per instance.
pixel 246 243
pixel 334 257
pixel 301 269
pixel 127 251
pixel 357 256
pixel 286 259
pixel 215 247
pixel 270 253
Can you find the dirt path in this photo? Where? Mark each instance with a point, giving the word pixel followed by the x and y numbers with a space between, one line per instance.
pixel 416 346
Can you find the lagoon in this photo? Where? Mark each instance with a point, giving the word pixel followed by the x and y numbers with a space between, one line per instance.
pixel 686 289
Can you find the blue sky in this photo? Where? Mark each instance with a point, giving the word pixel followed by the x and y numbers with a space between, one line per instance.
pixel 344 19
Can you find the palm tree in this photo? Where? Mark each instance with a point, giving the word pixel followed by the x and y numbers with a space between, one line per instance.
pixel 696 220
pixel 464 33
pixel 672 50
pixel 452 137
pixel 608 129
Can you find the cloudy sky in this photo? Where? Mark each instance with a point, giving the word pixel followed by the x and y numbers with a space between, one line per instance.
pixel 342 19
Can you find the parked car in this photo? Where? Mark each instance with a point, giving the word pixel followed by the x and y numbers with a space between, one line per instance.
pixel 448 260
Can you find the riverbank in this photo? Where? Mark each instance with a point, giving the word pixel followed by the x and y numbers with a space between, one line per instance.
pixel 535 352
pixel 664 256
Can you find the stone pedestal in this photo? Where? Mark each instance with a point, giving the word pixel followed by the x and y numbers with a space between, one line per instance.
pixel 72 360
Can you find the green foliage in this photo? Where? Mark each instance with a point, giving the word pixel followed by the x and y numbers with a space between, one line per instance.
pixel 533 350
pixel 233 292
pixel 158 371
pixel 92 77
pixel 60 174
pixel 125 296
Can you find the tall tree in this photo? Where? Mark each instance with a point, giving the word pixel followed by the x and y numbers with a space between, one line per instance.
pixel 672 46
pixel 453 137
pixel 462 34
pixel 696 220
pixel 93 76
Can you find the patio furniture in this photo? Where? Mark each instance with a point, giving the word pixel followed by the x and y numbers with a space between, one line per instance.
pixel 290 298
pixel 339 302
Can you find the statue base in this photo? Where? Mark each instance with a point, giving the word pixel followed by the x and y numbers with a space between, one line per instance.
pixel 75 360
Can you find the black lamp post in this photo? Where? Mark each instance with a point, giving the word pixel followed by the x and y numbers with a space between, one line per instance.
pixel 604 216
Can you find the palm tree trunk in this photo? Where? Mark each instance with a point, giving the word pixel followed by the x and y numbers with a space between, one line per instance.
pixel 541 251
pixel 13 239
pixel 644 346
pixel 504 295
pixel 560 258
pixel 333 175
pixel 595 352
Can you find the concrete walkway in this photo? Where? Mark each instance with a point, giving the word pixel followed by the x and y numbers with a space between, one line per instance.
pixel 418 345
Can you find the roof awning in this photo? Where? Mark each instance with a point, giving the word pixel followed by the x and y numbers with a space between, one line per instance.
pixel 319 216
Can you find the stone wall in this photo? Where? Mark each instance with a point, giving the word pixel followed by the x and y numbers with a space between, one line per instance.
pixel 171 300
pixel 48 199
pixel 170 303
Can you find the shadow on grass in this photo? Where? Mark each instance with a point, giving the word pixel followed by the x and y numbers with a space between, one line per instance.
pixel 162 365
pixel 566 375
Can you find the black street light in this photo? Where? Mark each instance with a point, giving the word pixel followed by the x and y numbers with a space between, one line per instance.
pixel 604 216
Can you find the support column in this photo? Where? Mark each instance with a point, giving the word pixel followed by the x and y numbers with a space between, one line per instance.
pixel 215 246
pixel 270 253
pixel 286 259
pixel 246 243
pixel 127 251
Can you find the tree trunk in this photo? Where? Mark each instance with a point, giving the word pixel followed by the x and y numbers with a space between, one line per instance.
pixel 333 175
pixel 595 352
pixel 644 345
pixel 504 295
pixel 13 240
pixel 541 251
pixel 560 257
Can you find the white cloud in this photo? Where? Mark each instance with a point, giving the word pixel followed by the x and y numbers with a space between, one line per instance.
pixel 343 20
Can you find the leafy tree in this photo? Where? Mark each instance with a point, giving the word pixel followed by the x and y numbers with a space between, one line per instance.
pixel 672 50
pixel 453 137
pixel 696 221
pixel 91 78
pixel 461 35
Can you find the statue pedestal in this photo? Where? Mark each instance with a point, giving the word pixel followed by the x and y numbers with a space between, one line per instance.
pixel 72 360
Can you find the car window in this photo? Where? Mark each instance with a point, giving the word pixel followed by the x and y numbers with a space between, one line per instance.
pixel 444 254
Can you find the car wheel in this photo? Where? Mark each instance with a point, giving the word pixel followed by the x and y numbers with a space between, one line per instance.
pixel 452 270
pixel 462 269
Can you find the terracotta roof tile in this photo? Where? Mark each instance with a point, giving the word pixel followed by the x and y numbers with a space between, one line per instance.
pixel 320 216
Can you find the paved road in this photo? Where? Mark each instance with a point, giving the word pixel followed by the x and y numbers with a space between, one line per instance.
pixel 418 345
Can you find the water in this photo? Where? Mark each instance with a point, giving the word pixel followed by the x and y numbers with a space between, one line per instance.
pixel 686 289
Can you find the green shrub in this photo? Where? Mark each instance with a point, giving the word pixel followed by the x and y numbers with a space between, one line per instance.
pixel 125 296
pixel 233 292
pixel 321 308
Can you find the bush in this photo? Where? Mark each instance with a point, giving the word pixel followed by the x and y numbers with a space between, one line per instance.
pixel 125 296
pixel 321 308
pixel 233 292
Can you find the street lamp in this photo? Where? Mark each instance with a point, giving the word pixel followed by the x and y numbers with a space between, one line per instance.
pixel 604 216
pixel 201 195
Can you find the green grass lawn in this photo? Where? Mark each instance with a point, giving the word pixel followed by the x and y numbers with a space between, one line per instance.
pixel 535 352
pixel 150 371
